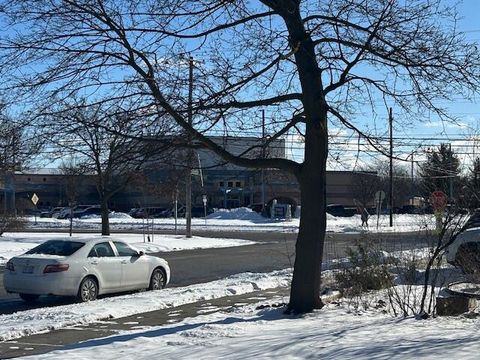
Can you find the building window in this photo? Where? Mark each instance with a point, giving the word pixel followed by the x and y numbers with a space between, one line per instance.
pixel 29 179
pixel 221 183
pixel 230 184
pixel 238 184
pixel 44 179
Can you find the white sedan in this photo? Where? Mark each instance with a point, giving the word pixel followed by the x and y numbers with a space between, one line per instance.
pixel 83 268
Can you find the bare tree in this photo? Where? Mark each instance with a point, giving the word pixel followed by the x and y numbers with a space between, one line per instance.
pixel 401 178
pixel 165 185
pixel 114 159
pixel 73 178
pixel 306 63
pixel 18 147
pixel 365 184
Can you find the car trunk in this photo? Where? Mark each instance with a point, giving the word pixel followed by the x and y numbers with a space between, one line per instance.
pixel 35 264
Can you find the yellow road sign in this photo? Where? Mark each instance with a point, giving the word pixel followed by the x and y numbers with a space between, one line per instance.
pixel 35 199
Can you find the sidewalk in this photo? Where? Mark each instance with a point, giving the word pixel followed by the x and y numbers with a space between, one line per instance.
pixel 71 336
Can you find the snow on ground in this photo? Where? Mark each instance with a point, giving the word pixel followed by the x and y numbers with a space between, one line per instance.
pixel 241 219
pixel 244 219
pixel 12 244
pixel 334 332
pixel 50 318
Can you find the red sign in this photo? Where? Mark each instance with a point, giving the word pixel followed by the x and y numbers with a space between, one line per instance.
pixel 439 200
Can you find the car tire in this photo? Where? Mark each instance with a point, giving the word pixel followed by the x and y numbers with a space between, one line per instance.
pixel 29 298
pixel 88 290
pixel 158 279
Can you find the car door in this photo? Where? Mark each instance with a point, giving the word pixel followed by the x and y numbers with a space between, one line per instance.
pixel 135 268
pixel 107 267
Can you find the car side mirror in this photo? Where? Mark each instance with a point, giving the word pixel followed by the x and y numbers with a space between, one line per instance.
pixel 141 253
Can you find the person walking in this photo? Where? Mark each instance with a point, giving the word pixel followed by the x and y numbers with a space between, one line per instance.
pixel 362 211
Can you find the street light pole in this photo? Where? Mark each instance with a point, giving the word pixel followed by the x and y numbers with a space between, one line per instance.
pixel 390 119
pixel 188 185
pixel 451 173
pixel 263 157
pixel 412 184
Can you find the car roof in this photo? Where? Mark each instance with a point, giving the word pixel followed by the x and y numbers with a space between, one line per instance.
pixel 473 221
pixel 474 229
pixel 90 240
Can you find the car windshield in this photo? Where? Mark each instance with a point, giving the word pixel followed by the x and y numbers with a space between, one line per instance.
pixel 57 247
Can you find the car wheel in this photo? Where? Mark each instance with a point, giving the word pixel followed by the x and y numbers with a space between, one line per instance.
pixel 88 290
pixel 158 279
pixel 29 297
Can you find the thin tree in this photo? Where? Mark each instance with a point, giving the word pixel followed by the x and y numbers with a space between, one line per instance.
pixel 307 63
pixel 365 184
pixel 18 147
pixel 113 159
pixel 401 178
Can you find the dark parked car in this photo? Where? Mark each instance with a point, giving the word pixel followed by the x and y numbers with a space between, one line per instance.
pixel 150 212
pixel 197 211
pixel 66 213
pixel 92 210
pixel 256 207
pixel 49 213
pixel 340 211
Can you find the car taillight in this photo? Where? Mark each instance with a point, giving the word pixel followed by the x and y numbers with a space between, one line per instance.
pixel 10 266
pixel 55 268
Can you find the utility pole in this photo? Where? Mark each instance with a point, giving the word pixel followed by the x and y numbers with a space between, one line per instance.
pixel 263 157
pixel 412 184
pixel 390 120
pixel 188 184
pixel 450 177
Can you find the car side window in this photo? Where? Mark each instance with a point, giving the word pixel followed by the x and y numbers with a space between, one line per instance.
pixel 124 250
pixel 101 250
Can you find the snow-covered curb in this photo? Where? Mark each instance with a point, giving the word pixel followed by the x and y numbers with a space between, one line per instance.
pixel 46 319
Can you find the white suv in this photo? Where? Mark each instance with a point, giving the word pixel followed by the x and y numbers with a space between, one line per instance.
pixel 464 252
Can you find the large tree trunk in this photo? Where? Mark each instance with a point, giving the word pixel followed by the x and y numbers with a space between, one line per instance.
pixel 105 219
pixel 305 289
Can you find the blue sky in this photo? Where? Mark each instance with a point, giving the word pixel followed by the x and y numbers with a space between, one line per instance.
pixel 467 112
pixel 410 138
pixel 428 131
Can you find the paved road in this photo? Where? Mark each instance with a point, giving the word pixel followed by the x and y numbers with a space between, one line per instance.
pixel 273 251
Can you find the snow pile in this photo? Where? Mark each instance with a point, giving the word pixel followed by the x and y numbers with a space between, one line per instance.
pixel 118 215
pixel 46 319
pixel 114 215
pixel 237 214
pixel 244 219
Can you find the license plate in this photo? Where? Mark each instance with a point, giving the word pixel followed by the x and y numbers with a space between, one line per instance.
pixel 28 269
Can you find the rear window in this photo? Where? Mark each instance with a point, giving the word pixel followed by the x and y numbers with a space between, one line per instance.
pixel 57 247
